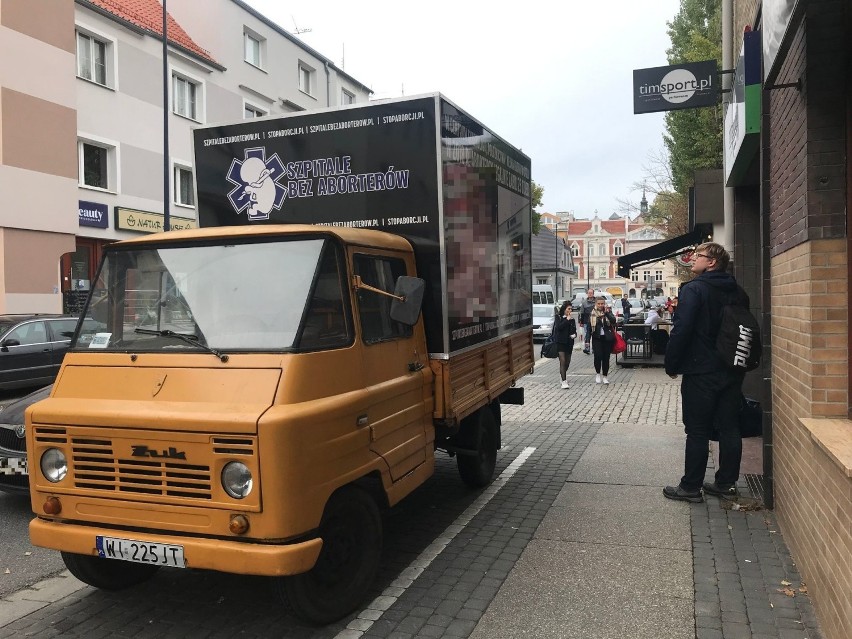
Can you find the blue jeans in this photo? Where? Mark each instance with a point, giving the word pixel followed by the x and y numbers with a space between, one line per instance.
pixel 587 328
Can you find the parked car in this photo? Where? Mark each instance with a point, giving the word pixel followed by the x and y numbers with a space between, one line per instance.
pixel 542 321
pixel 13 452
pixel 32 347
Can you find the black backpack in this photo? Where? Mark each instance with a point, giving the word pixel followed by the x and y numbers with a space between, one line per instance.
pixel 738 342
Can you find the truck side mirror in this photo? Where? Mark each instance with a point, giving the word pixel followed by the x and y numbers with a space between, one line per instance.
pixel 407 310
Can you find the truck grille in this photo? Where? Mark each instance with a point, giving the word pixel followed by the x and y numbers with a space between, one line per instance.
pixel 96 467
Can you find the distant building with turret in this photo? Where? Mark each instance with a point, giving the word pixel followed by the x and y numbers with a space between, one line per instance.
pixel 596 244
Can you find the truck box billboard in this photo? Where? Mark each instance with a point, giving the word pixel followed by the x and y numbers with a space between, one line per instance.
pixel 418 167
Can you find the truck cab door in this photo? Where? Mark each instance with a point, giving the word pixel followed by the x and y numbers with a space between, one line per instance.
pixel 399 395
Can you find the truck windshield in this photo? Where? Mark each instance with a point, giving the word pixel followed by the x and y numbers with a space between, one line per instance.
pixel 260 296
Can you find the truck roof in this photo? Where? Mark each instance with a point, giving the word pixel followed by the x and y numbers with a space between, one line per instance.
pixel 366 237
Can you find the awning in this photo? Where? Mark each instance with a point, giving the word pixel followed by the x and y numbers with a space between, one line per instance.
pixel 665 249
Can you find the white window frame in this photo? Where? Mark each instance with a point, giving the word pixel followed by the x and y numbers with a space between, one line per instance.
pixel 602 249
pixel 658 275
pixel 259 113
pixel 344 94
pixel 308 72
pixel 575 250
pixel 616 249
pixel 254 36
pixel 183 166
pixel 113 163
pixel 634 275
pixel 200 93
pixel 110 76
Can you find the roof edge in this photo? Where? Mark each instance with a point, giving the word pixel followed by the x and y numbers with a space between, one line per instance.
pixel 154 34
pixel 270 23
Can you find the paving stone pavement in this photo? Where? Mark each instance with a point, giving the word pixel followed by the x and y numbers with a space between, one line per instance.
pixel 578 542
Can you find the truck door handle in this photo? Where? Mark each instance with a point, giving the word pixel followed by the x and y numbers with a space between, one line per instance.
pixel 362 420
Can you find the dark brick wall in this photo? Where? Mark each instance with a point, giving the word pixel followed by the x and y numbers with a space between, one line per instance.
pixel 808 133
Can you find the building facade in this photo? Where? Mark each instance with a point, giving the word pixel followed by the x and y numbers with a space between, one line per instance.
pixel 596 244
pixel 225 62
pixel 552 263
pixel 792 187
pixel 38 151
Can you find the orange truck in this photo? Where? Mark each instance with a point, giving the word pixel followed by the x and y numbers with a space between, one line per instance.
pixel 248 396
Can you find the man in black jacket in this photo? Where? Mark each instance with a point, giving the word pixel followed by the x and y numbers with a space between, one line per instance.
pixel 711 392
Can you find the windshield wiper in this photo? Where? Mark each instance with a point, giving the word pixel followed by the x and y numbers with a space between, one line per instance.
pixel 189 339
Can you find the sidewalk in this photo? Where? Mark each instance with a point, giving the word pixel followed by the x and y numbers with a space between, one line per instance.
pixel 578 544
pixel 614 558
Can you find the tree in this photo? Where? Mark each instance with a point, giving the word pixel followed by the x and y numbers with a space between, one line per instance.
pixel 694 136
pixel 537 194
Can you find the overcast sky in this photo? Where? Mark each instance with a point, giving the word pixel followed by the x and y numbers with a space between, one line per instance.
pixel 553 78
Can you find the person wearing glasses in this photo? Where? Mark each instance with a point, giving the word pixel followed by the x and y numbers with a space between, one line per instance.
pixel 711 392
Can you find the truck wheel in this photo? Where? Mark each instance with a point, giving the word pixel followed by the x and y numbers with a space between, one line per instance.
pixel 107 574
pixel 481 436
pixel 351 532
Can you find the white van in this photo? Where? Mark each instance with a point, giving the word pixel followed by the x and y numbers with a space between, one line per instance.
pixel 543 294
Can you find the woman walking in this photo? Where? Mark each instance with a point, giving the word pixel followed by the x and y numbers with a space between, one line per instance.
pixel 564 332
pixel 603 335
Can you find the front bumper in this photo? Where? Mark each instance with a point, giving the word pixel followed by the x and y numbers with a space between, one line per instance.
pixel 236 557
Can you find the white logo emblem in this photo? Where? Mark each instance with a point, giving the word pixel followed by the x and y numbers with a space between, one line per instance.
pixel 257 190
pixel 678 86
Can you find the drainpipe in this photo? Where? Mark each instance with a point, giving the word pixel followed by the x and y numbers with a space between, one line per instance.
pixel 727 239
pixel 327 84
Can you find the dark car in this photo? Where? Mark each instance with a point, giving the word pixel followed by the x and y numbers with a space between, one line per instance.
pixel 32 348
pixel 13 451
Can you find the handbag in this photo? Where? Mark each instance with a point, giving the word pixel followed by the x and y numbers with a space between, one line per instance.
pixel 620 345
pixel 549 349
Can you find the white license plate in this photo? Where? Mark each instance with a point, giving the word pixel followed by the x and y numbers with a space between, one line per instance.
pixel 13 465
pixel 141 552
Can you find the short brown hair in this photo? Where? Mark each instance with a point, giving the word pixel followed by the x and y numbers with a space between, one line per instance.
pixel 715 252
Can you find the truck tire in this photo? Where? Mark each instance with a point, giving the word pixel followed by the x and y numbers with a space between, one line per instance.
pixel 107 574
pixel 479 433
pixel 351 532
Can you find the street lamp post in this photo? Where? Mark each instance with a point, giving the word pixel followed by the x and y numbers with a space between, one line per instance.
pixel 556 260
pixel 588 266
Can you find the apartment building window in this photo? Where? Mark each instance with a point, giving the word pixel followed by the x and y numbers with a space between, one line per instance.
pixel 306 76
pixel 616 250
pixel 250 112
pixel 97 165
pixel 575 250
pixel 254 46
pixel 91 59
pixel 634 276
pixel 602 248
pixel 184 195
pixel 646 275
pixel 346 97
pixel 185 97
pixel 658 275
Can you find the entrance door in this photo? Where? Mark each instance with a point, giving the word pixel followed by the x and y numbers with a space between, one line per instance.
pixel 78 271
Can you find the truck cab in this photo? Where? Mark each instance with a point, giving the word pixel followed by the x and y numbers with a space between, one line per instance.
pixel 254 418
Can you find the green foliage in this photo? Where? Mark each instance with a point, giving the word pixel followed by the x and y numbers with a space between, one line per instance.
pixel 694 136
pixel 537 194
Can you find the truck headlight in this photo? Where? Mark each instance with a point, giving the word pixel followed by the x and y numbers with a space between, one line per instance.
pixel 54 466
pixel 236 479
